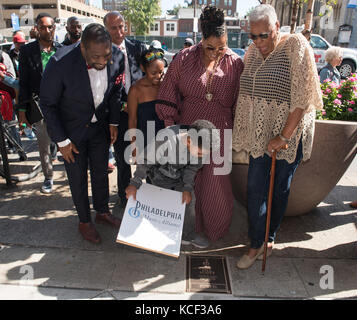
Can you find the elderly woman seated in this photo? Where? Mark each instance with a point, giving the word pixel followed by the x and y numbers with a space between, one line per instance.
pixel 333 57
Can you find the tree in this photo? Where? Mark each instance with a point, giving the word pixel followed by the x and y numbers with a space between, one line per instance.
pixel 296 5
pixel 141 14
pixel 309 14
pixel 174 11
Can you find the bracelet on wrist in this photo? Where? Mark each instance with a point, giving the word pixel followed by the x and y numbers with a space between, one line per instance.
pixel 283 138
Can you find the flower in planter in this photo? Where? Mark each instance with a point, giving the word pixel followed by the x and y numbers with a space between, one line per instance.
pixel 339 100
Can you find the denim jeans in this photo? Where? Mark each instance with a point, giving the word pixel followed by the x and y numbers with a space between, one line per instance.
pixel 258 188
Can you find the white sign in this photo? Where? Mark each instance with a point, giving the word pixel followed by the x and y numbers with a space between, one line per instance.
pixel 154 221
pixel 195 24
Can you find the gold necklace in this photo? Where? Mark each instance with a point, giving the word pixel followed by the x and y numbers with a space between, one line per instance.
pixel 209 77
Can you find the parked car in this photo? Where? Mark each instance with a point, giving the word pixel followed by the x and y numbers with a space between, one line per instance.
pixel 239 51
pixel 349 58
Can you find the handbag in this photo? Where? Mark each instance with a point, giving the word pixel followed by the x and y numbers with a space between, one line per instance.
pixel 240 157
pixel 33 112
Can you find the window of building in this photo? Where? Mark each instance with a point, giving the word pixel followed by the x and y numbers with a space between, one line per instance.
pixel 170 27
pixel 34 6
pixel 229 12
pixel 44 6
pixel 154 27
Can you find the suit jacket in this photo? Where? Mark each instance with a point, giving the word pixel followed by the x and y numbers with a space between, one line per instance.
pixel 134 48
pixel 66 97
pixel 30 72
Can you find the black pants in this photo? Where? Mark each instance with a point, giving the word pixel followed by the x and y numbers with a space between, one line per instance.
pixel 93 150
pixel 123 168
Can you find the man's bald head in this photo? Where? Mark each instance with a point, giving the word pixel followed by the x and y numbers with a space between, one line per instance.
pixel 115 24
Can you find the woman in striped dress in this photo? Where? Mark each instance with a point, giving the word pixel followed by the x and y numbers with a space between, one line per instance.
pixel 202 82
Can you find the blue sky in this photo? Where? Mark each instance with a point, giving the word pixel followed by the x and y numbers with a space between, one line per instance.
pixel 242 5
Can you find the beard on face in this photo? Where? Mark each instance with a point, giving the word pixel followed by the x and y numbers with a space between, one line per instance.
pixel 75 35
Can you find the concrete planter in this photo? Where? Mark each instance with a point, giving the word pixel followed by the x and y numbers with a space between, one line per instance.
pixel 335 146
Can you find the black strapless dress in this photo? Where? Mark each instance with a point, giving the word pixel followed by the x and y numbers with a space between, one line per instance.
pixel 146 112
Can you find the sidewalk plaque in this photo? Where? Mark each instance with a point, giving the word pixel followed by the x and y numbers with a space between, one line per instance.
pixel 154 221
pixel 207 274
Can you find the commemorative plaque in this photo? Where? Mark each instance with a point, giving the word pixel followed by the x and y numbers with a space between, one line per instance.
pixel 207 274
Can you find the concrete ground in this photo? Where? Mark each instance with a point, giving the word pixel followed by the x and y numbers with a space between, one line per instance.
pixel 42 255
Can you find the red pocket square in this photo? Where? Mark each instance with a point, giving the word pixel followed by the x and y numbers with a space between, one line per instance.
pixel 120 79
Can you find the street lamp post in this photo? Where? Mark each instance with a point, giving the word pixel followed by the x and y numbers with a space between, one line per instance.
pixel 194 22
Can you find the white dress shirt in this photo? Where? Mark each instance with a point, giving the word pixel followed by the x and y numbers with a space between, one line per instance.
pixel 99 84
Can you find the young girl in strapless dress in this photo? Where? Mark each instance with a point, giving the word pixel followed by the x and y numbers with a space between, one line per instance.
pixel 143 94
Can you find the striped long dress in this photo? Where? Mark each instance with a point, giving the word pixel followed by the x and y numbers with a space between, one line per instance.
pixel 181 99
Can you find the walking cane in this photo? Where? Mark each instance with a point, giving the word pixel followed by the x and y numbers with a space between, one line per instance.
pixel 270 199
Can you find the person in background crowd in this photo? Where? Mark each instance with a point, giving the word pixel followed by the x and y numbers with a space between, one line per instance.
pixel 275 114
pixel 8 83
pixel 203 83
pixel 19 40
pixel 188 43
pixel 74 31
pixel 6 60
pixel 80 92
pixel 33 34
pixel 333 57
pixel 34 57
pixel 132 49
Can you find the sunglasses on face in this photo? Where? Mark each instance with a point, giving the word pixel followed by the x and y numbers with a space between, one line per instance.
pixel 152 55
pixel 261 36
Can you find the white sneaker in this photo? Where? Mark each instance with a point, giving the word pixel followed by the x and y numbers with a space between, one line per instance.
pixel 47 186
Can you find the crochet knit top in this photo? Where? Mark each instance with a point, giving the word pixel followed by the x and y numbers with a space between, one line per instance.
pixel 270 90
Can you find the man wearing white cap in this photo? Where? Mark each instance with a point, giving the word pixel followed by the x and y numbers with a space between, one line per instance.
pixel 188 43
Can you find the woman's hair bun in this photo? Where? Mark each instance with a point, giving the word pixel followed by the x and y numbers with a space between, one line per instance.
pixel 212 22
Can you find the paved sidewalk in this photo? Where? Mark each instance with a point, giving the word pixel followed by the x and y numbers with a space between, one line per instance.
pixel 42 255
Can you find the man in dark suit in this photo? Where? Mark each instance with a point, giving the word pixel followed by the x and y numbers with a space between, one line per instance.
pixel 32 62
pixel 115 24
pixel 80 100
